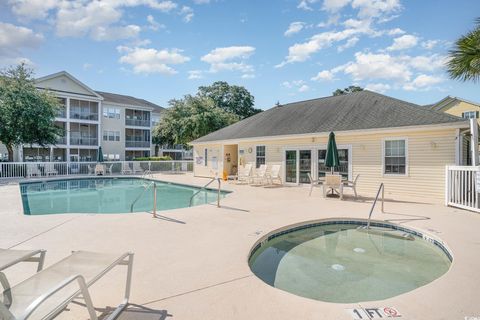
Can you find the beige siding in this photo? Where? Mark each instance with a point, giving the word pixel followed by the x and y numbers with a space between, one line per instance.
pixel 214 160
pixel 428 153
pixel 458 107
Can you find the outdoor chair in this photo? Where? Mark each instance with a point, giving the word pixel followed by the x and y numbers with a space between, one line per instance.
pixel 32 170
pixel 137 168
pixel 314 183
pixel 245 175
pixel 274 175
pixel 126 168
pixel 47 293
pixel 9 257
pixel 91 170
pixel 50 169
pixel 334 182
pixel 352 185
pixel 109 168
pixel 260 175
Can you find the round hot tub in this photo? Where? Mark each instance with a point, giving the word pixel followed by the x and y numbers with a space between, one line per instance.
pixel 342 261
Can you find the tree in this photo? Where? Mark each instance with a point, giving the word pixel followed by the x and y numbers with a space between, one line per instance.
pixel 464 62
pixel 27 115
pixel 190 118
pixel 349 89
pixel 234 99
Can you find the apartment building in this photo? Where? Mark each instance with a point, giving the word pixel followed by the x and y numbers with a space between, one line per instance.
pixel 122 125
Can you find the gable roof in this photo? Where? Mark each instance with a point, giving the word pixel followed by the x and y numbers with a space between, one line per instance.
pixel 69 76
pixel 440 105
pixel 128 100
pixel 354 111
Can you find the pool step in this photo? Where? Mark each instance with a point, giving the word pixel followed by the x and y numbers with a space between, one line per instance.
pixel 386 233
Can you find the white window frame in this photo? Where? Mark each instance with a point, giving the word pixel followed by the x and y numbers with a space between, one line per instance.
pixel 475 115
pixel 407 166
pixel 265 156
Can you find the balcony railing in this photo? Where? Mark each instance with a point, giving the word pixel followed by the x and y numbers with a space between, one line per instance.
pixel 84 141
pixel 169 147
pixel 61 140
pixel 84 115
pixel 137 122
pixel 137 144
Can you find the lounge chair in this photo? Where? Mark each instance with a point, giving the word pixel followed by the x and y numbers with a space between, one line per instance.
pixel 352 185
pixel 32 170
pixel 245 175
pixel 48 292
pixel 91 170
pixel 334 182
pixel 137 168
pixel 260 175
pixel 274 175
pixel 9 257
pixel 314 183
pixel 126 168
pixel 109 168
pixel 50 169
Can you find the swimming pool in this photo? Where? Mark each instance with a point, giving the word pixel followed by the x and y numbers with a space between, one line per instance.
pixel 107 195
pixel 342 262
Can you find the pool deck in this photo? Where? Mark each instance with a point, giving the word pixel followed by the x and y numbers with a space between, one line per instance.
pixel 191 263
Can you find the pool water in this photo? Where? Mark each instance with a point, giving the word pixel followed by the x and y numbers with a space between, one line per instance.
pixel 340 263
pixel 107 195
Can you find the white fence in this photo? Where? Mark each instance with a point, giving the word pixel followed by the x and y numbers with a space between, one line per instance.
pixel 17 170
pixel 461 187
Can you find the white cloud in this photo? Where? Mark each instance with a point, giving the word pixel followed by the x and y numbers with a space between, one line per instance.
pixel 324 75
pixel 298 85
pixel 406 41
pixel 153 24
pixel 350 43
pixel 395 32
pixel 303 88
pixel 423 82
pixel 230 59
pixel 375 8
pixel 201 1
pixel 13 39
pixel 248 76
pixel 332 20
pixel 149 60
pixel 87 66
pixel 187 13
pixel 334 5
pixel 195 74
pixel 378 87
pixel 32 9
pixel 430 44
pixel 293 28
pixel 305 4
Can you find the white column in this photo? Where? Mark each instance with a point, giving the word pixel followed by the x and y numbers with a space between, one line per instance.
pixel 474 141
pixel 67 128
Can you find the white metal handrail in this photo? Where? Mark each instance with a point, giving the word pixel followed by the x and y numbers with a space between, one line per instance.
pixel 154 184
pixel 381 188
pixel 205 187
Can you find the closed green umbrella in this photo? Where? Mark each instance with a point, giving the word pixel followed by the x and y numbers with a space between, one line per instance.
pixel 100 155
pixel 331 159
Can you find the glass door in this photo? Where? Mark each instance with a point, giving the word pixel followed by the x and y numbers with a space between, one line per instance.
pixel 343 156
pixel 291 166
pixel 305 159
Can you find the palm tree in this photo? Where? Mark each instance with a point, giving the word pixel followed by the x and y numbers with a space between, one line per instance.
pixel 464 62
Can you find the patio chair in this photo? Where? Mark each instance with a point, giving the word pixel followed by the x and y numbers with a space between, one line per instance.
pixel 32 170
pixel 137 168
pixel 126 168
pixel 314 183
pixel 274 175
pixel 245 175
pixel 109 168
pixel 260 175
pixel 352 185
pixel 334 182
pixel 47 293
pixel 91 170
pixel 50 169
pixel 9 257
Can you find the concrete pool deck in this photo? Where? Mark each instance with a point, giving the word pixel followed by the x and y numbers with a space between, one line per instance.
pixel 191 263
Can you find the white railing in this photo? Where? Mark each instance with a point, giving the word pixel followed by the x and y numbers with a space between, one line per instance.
pixel 461 187
pixel 18 170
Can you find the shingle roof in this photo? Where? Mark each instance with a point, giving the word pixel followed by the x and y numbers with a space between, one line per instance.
pixel 128 100
pixel 354 111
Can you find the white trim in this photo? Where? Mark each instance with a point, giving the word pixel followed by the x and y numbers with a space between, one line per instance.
pixel 255 154
pixel 68 75
pixel 128 106
pixel 455 125
pixel 407 167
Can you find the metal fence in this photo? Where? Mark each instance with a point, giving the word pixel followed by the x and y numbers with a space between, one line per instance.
pixel 18 170
pixel 461 187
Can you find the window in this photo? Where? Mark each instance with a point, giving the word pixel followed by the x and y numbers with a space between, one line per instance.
pixel 259 156
pixel 205 162
pixel 470 115
pixel 395 157
pixel 111 135
pixel 112 113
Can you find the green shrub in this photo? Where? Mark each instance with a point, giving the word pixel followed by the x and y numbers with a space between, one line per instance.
pixel 163 158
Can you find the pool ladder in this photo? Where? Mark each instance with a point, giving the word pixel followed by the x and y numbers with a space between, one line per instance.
pixel 381 188
pixel 146 187
pixel 205 186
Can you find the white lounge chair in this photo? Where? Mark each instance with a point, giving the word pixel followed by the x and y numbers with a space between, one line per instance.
pixel 334 182
pixel 50 169
pixel 32 170
pixel 126 168
pixel 91 170
pixel 352 185
pixel 274 175
pixel 48 292
pixel 137 168
pixel 260 175
pixel 245 175
pixel 314 183
pixel 9 257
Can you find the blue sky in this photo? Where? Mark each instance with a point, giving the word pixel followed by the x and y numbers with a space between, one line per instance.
pixel 282 50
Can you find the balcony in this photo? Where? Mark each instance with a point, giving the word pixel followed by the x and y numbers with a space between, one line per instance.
pixel 137 122
pixel 84 141
pixel 61 140
pixel 61 113
pixel 137 144
pixel 83 115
